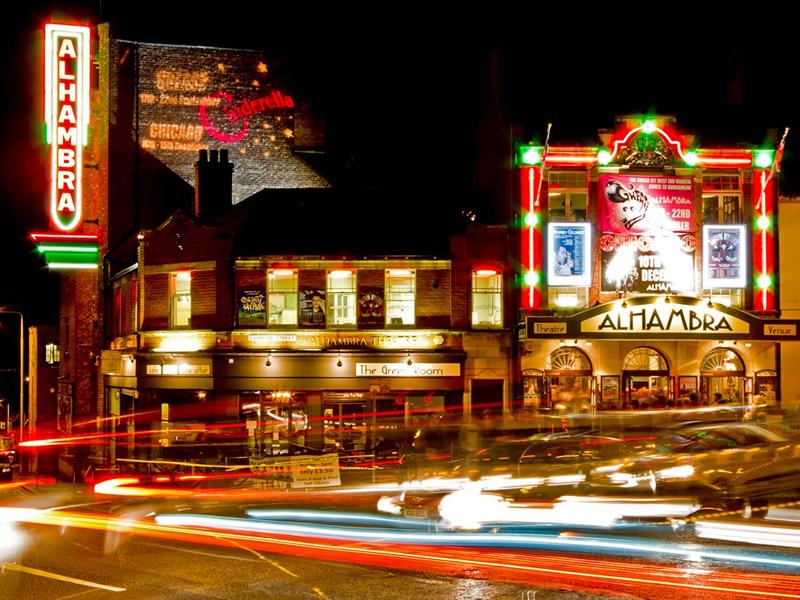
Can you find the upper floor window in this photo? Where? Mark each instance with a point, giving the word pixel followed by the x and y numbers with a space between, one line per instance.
pixel 567 195
pixel 487 294
pixel 282 296
pixel 342 297
pixel 52 354
pixel 400 296
pixel 722 199
pixel 180 313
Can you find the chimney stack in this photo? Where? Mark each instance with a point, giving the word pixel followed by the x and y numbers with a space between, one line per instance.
pixel 213 184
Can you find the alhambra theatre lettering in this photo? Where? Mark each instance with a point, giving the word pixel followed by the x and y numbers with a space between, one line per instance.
pixel 639 320
pixel 668 319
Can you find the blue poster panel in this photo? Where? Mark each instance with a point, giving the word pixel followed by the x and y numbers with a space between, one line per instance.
pixel 569 263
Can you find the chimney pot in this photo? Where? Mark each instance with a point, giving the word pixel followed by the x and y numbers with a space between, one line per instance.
pixel 223 155
pixel 214 156
pixel 203 155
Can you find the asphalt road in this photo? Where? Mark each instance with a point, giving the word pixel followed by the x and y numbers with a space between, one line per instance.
pixel 77 555
pixel 73 563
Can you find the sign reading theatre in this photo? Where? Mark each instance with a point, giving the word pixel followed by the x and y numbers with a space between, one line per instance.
pixel 67 118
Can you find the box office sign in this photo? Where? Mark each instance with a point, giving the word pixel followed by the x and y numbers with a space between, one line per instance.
pixel 178 369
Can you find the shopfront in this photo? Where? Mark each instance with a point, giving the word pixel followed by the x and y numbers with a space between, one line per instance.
pixel 287 393
pixel 646 352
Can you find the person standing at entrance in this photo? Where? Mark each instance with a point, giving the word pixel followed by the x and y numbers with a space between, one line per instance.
pixel 470 439
pixel 417 450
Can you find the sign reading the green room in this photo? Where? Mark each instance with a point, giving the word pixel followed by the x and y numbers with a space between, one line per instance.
pixel 665 317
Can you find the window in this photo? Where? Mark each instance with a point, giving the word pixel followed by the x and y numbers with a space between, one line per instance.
pixel 180 313
pixel 282 296
pixel 400 295
pixel 567 195
pixel 487 294
pixel 342 297
pixel 52 354
pixel 722 199
pixel 565 298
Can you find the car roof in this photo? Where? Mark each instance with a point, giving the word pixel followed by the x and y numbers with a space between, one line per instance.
pixel 766 433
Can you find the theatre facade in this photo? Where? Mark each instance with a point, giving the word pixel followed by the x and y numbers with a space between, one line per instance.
pixel 650 272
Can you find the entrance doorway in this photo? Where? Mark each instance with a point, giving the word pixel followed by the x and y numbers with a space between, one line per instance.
pixel 569 384
pixel 645 379
pixel 722 377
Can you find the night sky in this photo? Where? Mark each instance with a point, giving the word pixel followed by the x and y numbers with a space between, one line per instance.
pixel 406 97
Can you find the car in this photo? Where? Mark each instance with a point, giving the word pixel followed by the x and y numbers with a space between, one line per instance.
pixel 539 467
pixel 714 460
pixel 8 456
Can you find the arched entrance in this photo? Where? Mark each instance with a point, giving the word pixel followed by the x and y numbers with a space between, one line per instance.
pixel 722 372
pixel 645 378
pixel 568 379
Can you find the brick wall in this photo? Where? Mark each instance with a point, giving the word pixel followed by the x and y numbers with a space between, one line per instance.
pixel 156 301
pixel 79 332
pixel 433 298
pixel 204 300
pixel 312 279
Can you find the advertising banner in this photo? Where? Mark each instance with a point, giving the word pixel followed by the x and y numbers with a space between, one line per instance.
pixel 370 307
pixel 312 308
pixel 569 262
pixel 304 471
pixel 198 98
pixel 723 256
pixel 252 307
pixel 647 264
pixel 646 204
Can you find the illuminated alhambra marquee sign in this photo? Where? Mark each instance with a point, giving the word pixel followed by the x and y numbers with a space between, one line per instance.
pixel 659 318
pixel 67 117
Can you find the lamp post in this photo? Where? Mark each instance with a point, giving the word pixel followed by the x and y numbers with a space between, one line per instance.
pixel 21 369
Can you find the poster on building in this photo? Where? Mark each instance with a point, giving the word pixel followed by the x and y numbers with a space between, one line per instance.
pixel 645 204
pixel 303 471
pixel 252 308
pixel 199 98
pixel 723 256
pixel 312 308
pixel 569 262
pixel 647 264
pixel 370 307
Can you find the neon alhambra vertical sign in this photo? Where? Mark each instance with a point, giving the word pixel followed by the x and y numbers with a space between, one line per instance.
pixel 66 114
